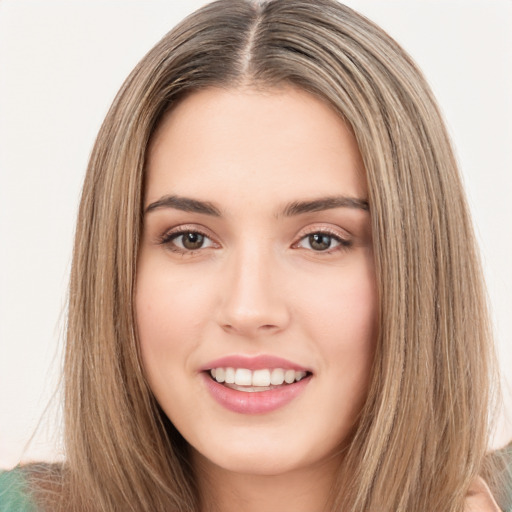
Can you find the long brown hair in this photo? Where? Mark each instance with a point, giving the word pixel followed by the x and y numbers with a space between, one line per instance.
pixel 423 431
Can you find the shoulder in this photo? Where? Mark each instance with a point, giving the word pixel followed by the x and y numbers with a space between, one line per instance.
pixel 24 487
pixel 498 474
pixel 14 492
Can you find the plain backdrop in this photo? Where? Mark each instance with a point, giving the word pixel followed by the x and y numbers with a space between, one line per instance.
pixel 61 63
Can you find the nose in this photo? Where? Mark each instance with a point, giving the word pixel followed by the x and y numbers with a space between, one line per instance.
pixel 253 301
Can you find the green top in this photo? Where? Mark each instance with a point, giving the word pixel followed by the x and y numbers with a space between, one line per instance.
pixel 14 495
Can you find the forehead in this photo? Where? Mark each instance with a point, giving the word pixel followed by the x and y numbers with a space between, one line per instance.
pixel 273 142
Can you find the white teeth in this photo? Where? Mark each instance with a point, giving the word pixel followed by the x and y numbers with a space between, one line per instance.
pixel 230 376
pixel 289 376
pixel 243 377
pixel 277 377
pixel 262 378
pixel 299 376
pixel 220 374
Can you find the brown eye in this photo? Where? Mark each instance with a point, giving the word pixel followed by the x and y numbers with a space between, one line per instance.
pixel 193 240
pixel 323 242
pixel 320 241
pixel 190 240
pixel 187 241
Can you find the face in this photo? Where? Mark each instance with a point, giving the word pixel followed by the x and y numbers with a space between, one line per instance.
pixel 256 298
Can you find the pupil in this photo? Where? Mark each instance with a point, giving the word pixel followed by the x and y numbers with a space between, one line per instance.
pixel 319 241
pixel 192 240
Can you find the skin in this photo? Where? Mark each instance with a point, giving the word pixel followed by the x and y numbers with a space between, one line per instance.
pixel 257 286
pixel 480 499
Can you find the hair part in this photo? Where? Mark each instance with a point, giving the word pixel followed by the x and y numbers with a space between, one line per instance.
pixel 423 432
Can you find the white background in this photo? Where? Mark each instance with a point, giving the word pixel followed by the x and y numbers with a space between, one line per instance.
pixel 61 63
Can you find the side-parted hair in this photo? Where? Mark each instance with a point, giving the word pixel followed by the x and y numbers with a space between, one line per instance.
pixel 423 431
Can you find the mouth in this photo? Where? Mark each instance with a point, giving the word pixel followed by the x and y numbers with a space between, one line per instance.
pixel 256 381
pixel 258 390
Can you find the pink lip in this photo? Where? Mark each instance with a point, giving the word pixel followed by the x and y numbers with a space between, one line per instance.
pixel 258 402
pixel 253 363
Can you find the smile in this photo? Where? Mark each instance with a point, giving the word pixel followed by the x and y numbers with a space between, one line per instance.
pixel 245 380
pixel 254 385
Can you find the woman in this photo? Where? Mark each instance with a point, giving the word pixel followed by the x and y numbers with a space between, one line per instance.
pixel 276 300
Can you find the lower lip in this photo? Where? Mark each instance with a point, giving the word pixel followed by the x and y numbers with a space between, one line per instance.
pixel 257 402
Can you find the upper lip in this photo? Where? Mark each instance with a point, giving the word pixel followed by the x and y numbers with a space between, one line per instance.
pixel 253 363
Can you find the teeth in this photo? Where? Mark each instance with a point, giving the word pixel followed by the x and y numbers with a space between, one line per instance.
pixel 261 378
pixel 277 377
pixel 220 374
pixel 243 377
pixel 230 376
pixel 299 376
pixel 258 378
pixel 289 376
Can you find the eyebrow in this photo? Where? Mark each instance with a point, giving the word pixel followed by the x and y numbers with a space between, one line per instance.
pixel 325 203
pixel 187 204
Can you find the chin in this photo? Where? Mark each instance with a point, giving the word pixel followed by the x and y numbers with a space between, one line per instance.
pixel 254 462
pixel 263 453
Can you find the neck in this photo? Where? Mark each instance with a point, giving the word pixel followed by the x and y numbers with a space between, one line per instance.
pixel 299 490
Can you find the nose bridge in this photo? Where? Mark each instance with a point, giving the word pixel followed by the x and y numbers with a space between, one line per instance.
pixel 252 301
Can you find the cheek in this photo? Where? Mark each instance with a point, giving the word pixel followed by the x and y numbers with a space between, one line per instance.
pixel 343 324
pixel 356 322
pixel 344 310
pixel 350 349
pixel 170 310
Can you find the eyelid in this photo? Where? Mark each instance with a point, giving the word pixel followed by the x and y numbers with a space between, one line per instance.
pixel 345 240
pixel 325 228
pixel 342 236
pixel 174 232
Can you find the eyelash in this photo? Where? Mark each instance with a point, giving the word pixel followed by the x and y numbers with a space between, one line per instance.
pixel 343 243
pixel 169 237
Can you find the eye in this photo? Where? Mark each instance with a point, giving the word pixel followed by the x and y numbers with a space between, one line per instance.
pixel 186 241
pixel 322 242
